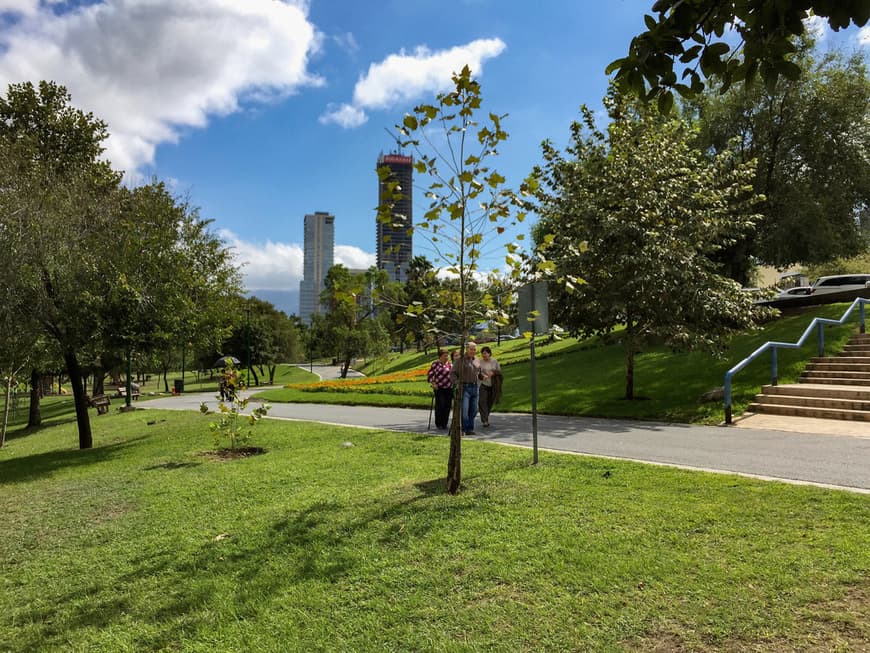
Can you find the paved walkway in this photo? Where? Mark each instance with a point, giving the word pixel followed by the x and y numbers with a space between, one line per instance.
pixel 827 459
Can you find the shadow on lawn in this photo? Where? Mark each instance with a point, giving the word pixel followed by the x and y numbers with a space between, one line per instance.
pixel 321 543
pixel 27 468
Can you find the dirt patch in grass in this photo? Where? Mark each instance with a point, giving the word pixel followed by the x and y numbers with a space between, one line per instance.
pixel 837 625
pixel 233 454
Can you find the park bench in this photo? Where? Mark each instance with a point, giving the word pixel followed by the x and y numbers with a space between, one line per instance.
pixel 101 403
pixel 122 392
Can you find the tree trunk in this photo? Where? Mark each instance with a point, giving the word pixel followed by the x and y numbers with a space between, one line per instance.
pixel 252 370
pixel 454 459
pixel 629 372
pixel 99 381
pixel 34 418
pixel 345 367
pixel 165 379
pixel 272 369
pixel 86 440
pixel 6 410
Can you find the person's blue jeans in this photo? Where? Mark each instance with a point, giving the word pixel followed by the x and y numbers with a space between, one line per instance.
pixel 469 406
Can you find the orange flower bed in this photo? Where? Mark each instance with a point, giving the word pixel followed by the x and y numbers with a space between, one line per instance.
pixel 417 374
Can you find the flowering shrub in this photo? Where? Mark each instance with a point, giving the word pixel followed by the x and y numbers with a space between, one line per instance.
pixel 407 382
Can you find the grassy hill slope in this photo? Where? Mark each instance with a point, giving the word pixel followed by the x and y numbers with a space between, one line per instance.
pixel 588 377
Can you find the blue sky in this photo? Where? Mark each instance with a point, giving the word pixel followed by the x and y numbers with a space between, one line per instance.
pixel 264 110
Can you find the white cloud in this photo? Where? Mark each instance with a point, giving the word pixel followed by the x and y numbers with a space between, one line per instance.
pixel 353 258
pixel 404 77
pixel 278 266
pixel 817 27
pixel 864 35
pixel 346 42
pixel 152 67
pixel 345 115
pixel 25 7
pixel 267 266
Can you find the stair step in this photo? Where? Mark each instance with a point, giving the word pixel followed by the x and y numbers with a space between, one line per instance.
pixel 813 402
pixel 835 381
pixel 802 411
pixel 831 387
pixel 843 374
pixel 848 364
pixel 825 390
pixel 851 360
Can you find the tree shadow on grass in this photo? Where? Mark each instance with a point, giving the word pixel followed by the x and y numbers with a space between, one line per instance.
pixel 27 468
pixel 172 593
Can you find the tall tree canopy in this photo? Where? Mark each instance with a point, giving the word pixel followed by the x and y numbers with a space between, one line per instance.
pixel 58 210
pixel 689 32
pixel 629 222
pixel 95 266
pixel 810 138
pixel 351 327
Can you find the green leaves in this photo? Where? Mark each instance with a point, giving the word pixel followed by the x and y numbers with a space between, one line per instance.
pixel 630 219
pixel 766 27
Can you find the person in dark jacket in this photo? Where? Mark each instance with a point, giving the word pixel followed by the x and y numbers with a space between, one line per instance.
pixel 490 384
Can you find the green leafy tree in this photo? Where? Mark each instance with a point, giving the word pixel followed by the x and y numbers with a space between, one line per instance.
pixel 469 204
pixel 268 333
pixel 59 205
pixel 630 221
pixel 351 327
pixel 689 32
pixel 501 291
pixel 98 268
pixel 809 138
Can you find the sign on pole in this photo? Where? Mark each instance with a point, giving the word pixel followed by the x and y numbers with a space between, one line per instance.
pixel 532 308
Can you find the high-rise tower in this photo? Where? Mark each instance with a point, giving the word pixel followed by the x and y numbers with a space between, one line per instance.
pixel 319 243
pixel 394 242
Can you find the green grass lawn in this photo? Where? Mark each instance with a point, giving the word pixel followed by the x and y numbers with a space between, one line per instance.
pixel 588 377
pixel 144 543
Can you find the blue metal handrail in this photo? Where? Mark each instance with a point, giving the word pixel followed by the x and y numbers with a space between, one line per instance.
pixel 817 323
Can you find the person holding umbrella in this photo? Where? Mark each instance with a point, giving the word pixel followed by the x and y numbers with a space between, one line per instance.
pixel 442 387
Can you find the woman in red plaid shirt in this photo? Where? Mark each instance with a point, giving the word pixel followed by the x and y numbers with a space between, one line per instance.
pixel 439 379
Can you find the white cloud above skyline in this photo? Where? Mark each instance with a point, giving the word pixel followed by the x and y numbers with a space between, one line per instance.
pixel 864 35
pixel 405 77
pixel 150 68
pixel 278 266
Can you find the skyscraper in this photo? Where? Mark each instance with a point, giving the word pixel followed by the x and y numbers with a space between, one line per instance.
pixel 394 242
pixel 319 243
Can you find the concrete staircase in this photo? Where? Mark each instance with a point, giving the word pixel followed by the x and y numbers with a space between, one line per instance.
pixel 831 387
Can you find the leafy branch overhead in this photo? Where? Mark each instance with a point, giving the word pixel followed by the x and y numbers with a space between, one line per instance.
pixel 690 33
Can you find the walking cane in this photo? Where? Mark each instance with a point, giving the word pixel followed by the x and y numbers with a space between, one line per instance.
pixel 431 407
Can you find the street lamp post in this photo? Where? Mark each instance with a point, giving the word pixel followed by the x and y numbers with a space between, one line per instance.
pixel 248 342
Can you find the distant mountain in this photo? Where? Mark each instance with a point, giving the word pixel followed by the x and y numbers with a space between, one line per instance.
pixel 283 300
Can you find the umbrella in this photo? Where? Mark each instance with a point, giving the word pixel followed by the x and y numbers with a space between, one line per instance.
pixel 223 361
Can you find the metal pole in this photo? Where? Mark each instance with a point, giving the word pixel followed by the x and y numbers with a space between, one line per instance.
pixel 129 384
pixel 248 342
pixel 821 329
pixel 774 368
pixel 534 404
pixel 431 408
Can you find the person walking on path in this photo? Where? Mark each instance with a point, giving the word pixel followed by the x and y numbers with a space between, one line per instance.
pixel 490 384
pixel 442 386
pixel 467 374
